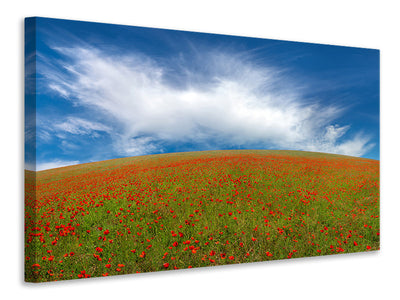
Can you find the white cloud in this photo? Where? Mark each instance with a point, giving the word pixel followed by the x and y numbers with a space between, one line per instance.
pixel 30 166
pixel 59 89
pixel 219 98
pixel 53 164
pixel 136 146
pixel 80 126
pixel 356 146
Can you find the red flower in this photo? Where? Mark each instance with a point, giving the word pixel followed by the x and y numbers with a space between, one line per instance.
pixel 166 265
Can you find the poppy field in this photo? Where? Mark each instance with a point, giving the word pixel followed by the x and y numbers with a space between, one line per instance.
pixel 197 209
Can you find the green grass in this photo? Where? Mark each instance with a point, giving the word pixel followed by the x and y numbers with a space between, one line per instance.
pixel 197 209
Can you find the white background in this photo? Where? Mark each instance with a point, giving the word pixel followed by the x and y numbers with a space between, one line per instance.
pixel 369 24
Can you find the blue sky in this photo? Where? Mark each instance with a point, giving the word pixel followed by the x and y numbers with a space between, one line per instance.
pixel 107 91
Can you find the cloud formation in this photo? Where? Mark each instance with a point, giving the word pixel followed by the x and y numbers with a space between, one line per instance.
pixel 213 100
pixel 75 125
pixel 52 165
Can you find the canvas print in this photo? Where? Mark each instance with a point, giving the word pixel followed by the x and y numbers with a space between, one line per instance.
pixel 154 150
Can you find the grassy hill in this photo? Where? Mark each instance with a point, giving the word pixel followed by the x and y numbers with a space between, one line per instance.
pixel 195 209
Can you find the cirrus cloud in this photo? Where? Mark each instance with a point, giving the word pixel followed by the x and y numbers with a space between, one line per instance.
pixel 212 100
